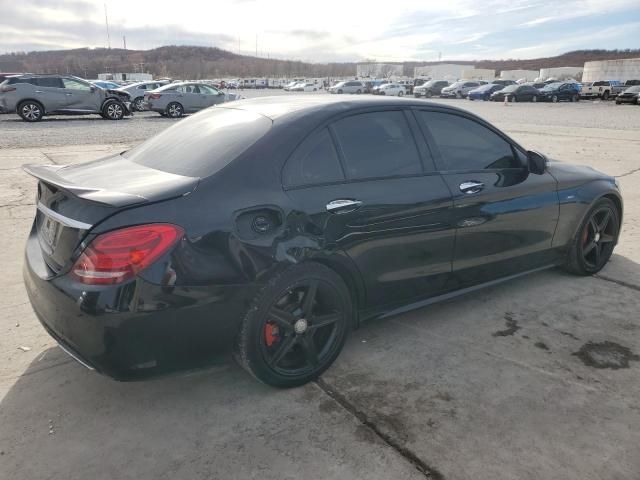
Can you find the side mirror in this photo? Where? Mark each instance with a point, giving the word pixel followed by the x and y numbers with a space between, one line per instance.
pixel 93 89
pixel 537 162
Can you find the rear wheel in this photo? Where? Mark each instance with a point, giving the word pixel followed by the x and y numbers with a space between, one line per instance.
pixel 427 94
pixel 459 94
pixel 554 99
pixel 296 326
pixel 574 98
pixel 340 91
pixel 138 104
pixel 358 92
pixel 175 110
pixel 605 95
pixel 514 99
pixel 113 110
pixel 400 93
pixel 31 111
pixel 534 99
pixel 596 238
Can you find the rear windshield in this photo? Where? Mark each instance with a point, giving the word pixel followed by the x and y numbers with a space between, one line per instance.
pixel 202 144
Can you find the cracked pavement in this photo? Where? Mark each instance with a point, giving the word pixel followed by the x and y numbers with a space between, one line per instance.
pixel 537 378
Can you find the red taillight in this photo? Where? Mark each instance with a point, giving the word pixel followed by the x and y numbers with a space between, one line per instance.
pixel 154 96
pixel 7 88
pixel 115 257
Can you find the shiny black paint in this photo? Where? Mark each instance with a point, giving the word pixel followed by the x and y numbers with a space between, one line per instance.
pixel 414 238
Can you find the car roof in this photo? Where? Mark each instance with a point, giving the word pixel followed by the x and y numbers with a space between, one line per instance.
pixel 281 107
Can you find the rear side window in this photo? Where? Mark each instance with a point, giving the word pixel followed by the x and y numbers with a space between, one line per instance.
pixel 377 144
pixel 315 161
pixel 202 144
pixel 52 82
pixel 466 145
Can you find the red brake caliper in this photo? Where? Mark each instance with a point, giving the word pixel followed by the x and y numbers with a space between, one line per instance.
pixel 271 334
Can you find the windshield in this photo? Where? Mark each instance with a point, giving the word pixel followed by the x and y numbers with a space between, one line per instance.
pixel 634 89
pixel 201 145
pixel 455 85
pixel 600 84
pixel 552 86
pixel 510 88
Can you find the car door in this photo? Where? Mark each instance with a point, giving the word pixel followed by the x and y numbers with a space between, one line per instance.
pixel 211 96
pixel 188 98
pixel 505 216
pixel 49 91
pixel 367 189
pixel 80 96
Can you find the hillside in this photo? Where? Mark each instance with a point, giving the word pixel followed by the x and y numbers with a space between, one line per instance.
pixel 208 62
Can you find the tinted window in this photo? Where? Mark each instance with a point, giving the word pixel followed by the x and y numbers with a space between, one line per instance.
pixel 377 144
pixel 466 145
pixel 315 161
pixel 49 82
pixel 202 144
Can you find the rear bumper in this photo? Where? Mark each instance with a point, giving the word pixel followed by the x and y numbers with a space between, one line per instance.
pixel 138 329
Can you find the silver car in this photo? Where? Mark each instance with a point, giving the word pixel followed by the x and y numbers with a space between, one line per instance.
pixel 352 86
pixel 137 90
pixel 176 99
pixel 33 96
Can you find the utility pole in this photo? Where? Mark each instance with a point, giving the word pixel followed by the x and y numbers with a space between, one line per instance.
pixel 106 21
pixel 124 42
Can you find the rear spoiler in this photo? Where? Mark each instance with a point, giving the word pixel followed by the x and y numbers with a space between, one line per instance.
pixel 49 174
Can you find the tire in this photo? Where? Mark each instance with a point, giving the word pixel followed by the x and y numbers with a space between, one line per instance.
pixel 574 98
pixel 458 94
pixel 513 99
pixel 593 244
pixel 554 99
pixel 175 110
pixel 605 95
pixel 340 91
pixel 400 93
pixel 358 92
pixel 427 94
pixel 534 99
pixel 138 104
pixel 280 342
pixel 30 111
pixel 416 95
pixel 113 110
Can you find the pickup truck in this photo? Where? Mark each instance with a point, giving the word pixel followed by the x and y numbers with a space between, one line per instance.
pixel 603 89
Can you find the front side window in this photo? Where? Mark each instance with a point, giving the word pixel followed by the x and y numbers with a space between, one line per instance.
pixel 377 144
pixel 315 161
pixel 465 144
pixel 75 84
pixel 208 90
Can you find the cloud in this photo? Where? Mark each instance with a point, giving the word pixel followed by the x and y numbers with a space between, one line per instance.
pixel 332 31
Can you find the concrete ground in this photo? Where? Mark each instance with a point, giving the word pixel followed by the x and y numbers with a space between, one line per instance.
pixel 535 379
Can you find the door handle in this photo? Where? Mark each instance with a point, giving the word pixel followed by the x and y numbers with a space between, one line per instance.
pixel 39 91
pixel 69 94
pixel 343 206
pixel 471 187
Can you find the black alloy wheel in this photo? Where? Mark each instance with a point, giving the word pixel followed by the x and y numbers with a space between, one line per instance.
pixel 297 328
pixel 596 239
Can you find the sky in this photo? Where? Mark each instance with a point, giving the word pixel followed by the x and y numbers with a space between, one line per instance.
pixel 329 30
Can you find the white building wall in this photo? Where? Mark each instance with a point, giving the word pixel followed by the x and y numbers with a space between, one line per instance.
pixel 128 77
pixel 479 74
pixel 623 70
pixel 442 71
pixel 378 70
pixel 528 75
pixel 561 73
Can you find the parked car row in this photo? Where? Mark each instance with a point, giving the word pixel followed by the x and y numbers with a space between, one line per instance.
pixel 34 96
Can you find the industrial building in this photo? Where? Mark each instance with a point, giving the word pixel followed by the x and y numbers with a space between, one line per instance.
pixel 622 70
pixel 560 73
pixel 527 75
pixel 125 77
pixel 442 71
pixel 479 74
pixel 379 70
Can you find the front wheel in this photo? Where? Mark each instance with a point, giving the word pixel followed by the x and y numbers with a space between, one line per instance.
pixel 554 99
pixel 400 93
pixel 574 98
pixel 358 92
pixel 593 245
pixel 113 110
pixel 605 96
pixel 339 91
pixel 534 99
pixel 175 110
pixel 459 94
pixel 514 99
pixel 296 327
pixel 30 111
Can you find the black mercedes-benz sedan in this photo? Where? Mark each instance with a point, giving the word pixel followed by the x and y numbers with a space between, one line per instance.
pixel 271 227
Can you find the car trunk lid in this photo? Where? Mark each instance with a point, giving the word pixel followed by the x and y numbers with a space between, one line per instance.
pixel 72 199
